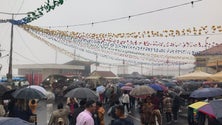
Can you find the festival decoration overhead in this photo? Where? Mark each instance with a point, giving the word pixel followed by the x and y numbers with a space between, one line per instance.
pixel 131 50
pixel 39 12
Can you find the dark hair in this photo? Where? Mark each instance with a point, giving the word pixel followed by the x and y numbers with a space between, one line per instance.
pixel 33 101
pixel 60 106
pixel 82 102
pixel 120 108
pixel 117 102
pixel 89 103
pixel 98 103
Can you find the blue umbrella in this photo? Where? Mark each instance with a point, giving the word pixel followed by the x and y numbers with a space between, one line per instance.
pixel 206 93
pixel 100 89
pixel 156 87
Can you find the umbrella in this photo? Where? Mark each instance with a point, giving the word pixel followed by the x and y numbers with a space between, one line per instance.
pixel 40 88
pixel 197 105
pixel 13 121
pixel 214 109
pixel 142 91
pixel 100 89
pixel 156 87
pixel 28 93
pixel 128 88
pixel 82 93
pixel 129 84
pixel 3 89
pixel 206 92
pixel 8 94
pixel 69 88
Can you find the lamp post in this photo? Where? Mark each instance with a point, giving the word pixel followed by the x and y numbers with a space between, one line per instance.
pixel 206 53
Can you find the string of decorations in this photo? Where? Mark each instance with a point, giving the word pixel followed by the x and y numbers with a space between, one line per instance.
pixel 130 16
pixel 93 51
pixel 125 46
pixel 39 12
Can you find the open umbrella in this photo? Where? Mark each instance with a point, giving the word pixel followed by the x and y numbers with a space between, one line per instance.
pixel 82 93
pixel 100 89
pixel 214 109
pixel 156 87
pixel 28 93
pixel 13 121
pixel 40 88
pixel 3 89
pixel 8 94
pixel 142 91
pixel 196 75
pixel 206 93
pixel 128 88
pixel 197 105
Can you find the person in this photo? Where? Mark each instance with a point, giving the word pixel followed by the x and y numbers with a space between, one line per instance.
pixel 155 118
pixel 122 119
pixel 33 105
pixel 59 116
pixel 111 111
pixel 72 104
pixel 101 113
pixel 146 111
pixel 125 100
pixel 78 110
pixel 85 117
pixel 175 107
pixel 167 105
pixel 2 109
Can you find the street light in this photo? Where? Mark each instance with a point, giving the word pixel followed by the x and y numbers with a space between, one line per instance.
pixel 206 52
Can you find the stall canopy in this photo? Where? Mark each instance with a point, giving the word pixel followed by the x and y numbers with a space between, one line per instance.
pixel 196 75
pixel 217 76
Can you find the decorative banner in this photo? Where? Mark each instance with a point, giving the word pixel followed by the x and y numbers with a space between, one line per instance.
pixel 47 7
pixel 104 50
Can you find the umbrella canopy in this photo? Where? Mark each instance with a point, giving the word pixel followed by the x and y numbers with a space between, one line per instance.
pixel 28 93
pixel 129 84
pixel 217 76
pixel 213 108
pixel 69 88
pixel 8 94
pixel 197 105
pixel 157 87
pixel 100 89
pixel 13 121
pixel 40 88
pixel 128 88
pixel 206 92
pixel 142 91
pixel 3 89
pixel 196 75
pixel 82 93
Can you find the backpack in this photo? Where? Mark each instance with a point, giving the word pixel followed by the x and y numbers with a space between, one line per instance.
pixel 125 121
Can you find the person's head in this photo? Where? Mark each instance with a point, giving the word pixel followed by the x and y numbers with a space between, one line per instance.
pixel 117 102
pixel 119 110
pixel 60 106
pixel 82 102
pixel 33 102
pixel 99 104
pixel 90 106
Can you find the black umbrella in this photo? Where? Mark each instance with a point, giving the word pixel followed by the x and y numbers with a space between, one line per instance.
pixel 13 121
pixel 3 89
pixel 206 93
pixel 28 93
pixel 8 94
pixel 82 93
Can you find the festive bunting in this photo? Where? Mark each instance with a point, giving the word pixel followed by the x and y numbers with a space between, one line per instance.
pixel 39 12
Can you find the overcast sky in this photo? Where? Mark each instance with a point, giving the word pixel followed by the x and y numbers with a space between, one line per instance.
pixel 28 50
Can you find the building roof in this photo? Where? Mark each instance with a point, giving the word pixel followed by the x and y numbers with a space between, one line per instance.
pixel 216 50
pixel 78 62
pixel 48 66
pixel 103 74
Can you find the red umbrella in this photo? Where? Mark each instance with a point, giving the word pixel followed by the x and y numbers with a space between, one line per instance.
pixel 126 88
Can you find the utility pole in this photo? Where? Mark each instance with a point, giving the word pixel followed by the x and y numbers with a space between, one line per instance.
pixel 9 75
